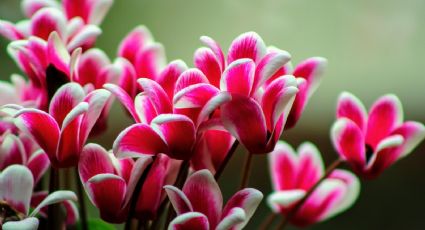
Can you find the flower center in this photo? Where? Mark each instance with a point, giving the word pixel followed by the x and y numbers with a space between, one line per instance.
pixel 369 152
pixel 7 213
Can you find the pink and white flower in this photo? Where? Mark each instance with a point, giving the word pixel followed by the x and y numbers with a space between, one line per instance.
pixel 295 173
pixel 63 131
pixel 16 184
pixel 371 142
pixel 199 205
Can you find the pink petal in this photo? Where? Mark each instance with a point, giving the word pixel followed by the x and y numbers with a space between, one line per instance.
pixel 150 61
pixel 194 96
pixel 190 220
pixel 178 199
pixel 268 66
pixel 235 218
pixel 171 126
pixel 413 133
pixel 64 100
pixel 76 8
pixel 248 200
pixel 10 31
pixel 30 7
pixel 138 140
pixel 12 150
pixel 47 20
pixel 38 163
pixel 311 70
pixel 215 47
pixel 310 166
pixel 205 195
pixel 72 213
pixel 282 201
pixel 42 127
pixel 348 140
pixel 251 129
pixel 168 77
pixel 283 164
pixel 136 172
pixel 58 54
pixel 238 77
pixel 16 184
pixel 85 38
pixel 127 79
pixel 384 116
pixel 134 42
pixel 206 61
pixel 188 78
pixel 212 105
pixel 145 109
pixel 94 160
pixel 247 45
pixel 107 191
pixel 349 106
pixel 98 11
pixel 90 66
pixel 156 94
pixel 124 98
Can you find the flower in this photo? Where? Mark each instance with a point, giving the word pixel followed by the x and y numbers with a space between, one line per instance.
pixel 294 174
pixel 16 184
pixel 373 142
pixel 110 182
pixel 199 205
pixel 63 131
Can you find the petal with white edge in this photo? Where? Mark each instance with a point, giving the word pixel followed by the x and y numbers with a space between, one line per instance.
pixel 190 220
pixel 16 184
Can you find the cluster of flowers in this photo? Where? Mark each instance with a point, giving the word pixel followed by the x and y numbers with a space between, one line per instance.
pixel 187 125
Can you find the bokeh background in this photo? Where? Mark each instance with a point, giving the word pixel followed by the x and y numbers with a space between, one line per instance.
pixel 373 47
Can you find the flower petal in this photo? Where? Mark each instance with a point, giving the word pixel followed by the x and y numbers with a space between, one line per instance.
pixel 349 106
pixel 30 223
pixel 38 163
pixel 212 105
pixel 201 187
pixel 194 96
pixel 234 219
pixel 283 165
pixel 238 77
pixel 281 201
pixel 178 199
pixel 64 100
pixel 138 140
pixel 85 38
pixel 215 47
pixel 150 61
pixel 145 110
pixel 10 31
pixel 30 7
pixel 310 166
pixel 99 9
pixel 53 198
pixel 413 133
pixel 251 129
pixel 58 54
pixel 384 116
pixel 16 184
pixel 47 20
pixel 206 61
pixel 168 77
pixel 188 78
pixel 156 94
pixel 124 98
pixel 137 171
pixel 94 160
pixel 134 42
pixel 247 45
pixel 190 220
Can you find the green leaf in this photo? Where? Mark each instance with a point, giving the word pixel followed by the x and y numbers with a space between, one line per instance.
pixel 97 224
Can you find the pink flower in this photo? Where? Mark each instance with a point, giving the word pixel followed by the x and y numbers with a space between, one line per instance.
pixel 16 184
pixel 293 175
pixel 110 182
pixel 373 142
pixel 62 132
pixel 199 205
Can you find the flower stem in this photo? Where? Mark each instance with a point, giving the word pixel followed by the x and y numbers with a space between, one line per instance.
pixel 300 203
pixel 268 221
pixel 83 212
pixel 226 160
pixel 53 211
pixel 135 195
pixel 246 171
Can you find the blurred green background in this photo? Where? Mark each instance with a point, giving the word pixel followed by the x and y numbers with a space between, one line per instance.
pixel 373 48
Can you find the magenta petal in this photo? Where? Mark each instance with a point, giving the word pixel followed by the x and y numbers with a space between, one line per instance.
pixel 178 199
pixel 168 77
pixel 212 105
pixel 134 42
pixel 46 21
pixel 10 31
pixel 136 172
pixel 150 61
pixel 90 66
pixel 238 77
pixel 42 127
pixel 190 220
pixel 201 187
pixel 94 160
pixel 127 79
pixel 38 163
pixel 145 110
pixel 215 47
pixel 156 94
pixel 348 140
pixel 310 166
pixel 138 140
pixel 12 150
pixel 247 199
pixel 30 7
pixel 188 78
pixel 194 96
pixel 58 54
pixel 206 61
pixel 85 38
pixel 64 100
pixel 384 116
pixel 283 165
pixel 247 45
pixel 124 98
pixel 235 218
pixel 171 126
pixel 349 106
pixel 107 191
pixel 250 129
pixel 413 133
pixel 16 184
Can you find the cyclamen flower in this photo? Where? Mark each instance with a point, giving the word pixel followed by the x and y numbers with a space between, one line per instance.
pixel 16 184
pixel 294 174
pixel 63 131
pixel 199 205
pixel 373 142
pixel 110 183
